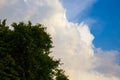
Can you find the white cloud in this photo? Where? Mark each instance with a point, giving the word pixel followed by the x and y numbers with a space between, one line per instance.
pixel 4 3
pixel 106 62
pixel 72 41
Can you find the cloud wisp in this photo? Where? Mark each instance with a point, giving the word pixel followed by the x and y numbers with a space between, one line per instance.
pixel 72 41
pixel 78 7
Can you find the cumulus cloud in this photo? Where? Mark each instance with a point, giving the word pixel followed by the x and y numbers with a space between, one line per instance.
pixel 4 3
pixel 106 62
pixel 72 41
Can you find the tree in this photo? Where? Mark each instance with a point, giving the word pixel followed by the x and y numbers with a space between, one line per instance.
pixel 60 75
pixel 24 53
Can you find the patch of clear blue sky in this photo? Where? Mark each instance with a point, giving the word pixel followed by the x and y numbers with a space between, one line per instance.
pixel 106 28
pixel 108 12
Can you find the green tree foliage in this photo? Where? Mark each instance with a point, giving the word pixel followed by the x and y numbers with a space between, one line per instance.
pixel 60 75
pixel 24 53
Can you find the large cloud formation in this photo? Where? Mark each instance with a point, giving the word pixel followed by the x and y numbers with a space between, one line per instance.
pixel 72 41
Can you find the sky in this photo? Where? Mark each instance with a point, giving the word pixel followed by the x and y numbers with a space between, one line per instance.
pixel 104 18
pixel 108 14
pixel 85 33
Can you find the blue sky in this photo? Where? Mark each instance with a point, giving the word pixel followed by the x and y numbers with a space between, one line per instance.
pixel 108 14
pixel 104 20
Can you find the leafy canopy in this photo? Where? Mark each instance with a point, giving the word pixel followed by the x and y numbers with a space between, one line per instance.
pixel 24 53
